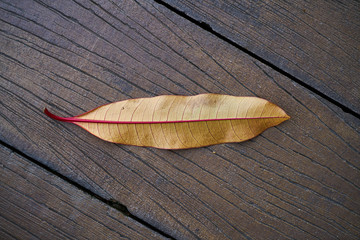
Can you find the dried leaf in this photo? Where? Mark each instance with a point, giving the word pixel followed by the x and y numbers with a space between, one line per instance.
pixel 176 122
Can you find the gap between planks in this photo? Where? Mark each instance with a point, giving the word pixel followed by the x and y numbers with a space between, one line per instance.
pixel 205 26
pixel 110 202
pixel 118 206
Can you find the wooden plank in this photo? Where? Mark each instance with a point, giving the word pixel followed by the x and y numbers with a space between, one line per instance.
pixel 35 204
pixel 298 180
pixel 318 42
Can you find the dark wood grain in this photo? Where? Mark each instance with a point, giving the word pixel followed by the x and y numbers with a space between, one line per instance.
pixel 35 204
pixel 317 42
pixel 298 180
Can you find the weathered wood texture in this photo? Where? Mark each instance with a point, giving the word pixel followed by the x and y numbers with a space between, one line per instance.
pixel 37 205
pixel 318 42
pixel 298 180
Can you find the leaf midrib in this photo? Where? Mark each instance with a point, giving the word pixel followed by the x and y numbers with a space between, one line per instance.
pixel 74 119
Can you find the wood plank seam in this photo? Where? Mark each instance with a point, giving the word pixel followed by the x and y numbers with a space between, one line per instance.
pixel 205 26
pixel 110 202
pixel 241 193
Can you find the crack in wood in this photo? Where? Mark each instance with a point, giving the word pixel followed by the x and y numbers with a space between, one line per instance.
pixel 205 26
pixel 110 202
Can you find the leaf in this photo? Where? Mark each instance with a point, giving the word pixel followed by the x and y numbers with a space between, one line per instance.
pixel 177 122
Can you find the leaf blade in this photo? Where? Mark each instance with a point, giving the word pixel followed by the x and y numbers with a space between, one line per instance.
pixel 177 122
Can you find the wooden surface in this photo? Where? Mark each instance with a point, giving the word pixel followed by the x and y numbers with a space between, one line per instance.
pixel 316 42
pixel 299 180
pixel 36 204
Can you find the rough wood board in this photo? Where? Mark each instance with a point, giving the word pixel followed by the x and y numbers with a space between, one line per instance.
pixel 318 42
pixel 300 179
pixel 36 204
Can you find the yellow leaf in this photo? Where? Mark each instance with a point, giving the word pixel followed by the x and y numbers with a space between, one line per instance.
pixel 177 122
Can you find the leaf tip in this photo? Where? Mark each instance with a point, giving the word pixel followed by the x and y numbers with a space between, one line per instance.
pixel 49 114
pixel 53 116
